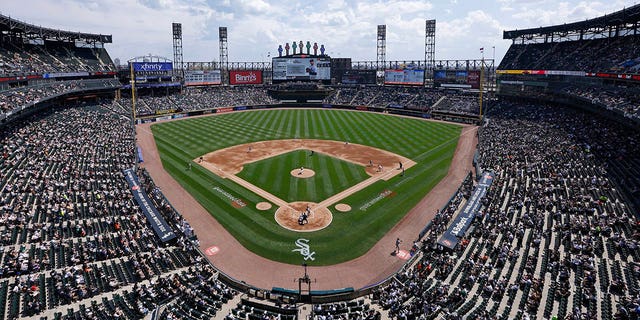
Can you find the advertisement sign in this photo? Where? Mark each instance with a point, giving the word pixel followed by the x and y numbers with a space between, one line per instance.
pixel 473 79
pixel 310 68
pixel 355 76
pixel 64 74
pixel 457 78
pixel 407 77
pixel 202 77
pixel 158 223
pixel 462 222
pixel 237 77
pixel 152 66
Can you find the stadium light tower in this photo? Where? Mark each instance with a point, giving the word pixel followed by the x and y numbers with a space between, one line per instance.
pixel 381 52
pixel 224 54
pixel 178 66
pixel 429 50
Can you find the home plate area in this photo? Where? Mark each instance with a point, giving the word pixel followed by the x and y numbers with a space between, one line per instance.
pixel 290 216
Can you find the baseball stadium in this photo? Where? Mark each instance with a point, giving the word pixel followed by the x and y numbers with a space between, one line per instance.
pixel 315 187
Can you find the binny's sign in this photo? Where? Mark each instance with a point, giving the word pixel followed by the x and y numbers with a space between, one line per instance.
pixel 245 77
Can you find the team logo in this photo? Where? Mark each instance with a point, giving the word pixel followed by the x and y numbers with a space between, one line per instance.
pixel 403 254
pixel 303 248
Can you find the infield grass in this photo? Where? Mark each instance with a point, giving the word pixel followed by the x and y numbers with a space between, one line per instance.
pixel 332 175
pixel 351 234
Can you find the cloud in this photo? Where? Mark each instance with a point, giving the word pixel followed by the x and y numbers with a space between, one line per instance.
pixel 347 28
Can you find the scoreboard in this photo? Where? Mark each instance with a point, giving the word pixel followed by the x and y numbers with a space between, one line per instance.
pixel 301 68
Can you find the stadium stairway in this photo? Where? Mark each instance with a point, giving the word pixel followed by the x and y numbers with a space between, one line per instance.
pixel 227 307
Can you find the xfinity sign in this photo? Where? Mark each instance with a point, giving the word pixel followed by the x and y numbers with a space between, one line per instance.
pixel 152 66
pixel 245 77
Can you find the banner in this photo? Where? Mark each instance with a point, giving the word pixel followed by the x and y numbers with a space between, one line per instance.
pixel 64 74
pixel 459 227
pixel 245 77
pixel 152 66
pixel 157 222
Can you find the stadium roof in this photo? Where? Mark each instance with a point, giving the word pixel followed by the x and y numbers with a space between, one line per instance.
pixel 8 24
pixel 624 17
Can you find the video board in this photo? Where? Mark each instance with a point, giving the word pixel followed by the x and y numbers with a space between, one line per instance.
pixel 405 77
pixel 240 77
pixel 202 77
pixel 457 78
pixel 355 76
pixel 300 69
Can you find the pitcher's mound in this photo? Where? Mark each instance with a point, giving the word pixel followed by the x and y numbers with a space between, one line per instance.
pixel 304 173
pixel 263 206
pixel 288 217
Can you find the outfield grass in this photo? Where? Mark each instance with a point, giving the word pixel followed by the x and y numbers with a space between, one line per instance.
pixel 332 175
pixel 430 144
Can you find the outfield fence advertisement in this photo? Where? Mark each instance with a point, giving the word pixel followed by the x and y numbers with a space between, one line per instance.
pixel 202 77
pixel 463 221
pixel 239 77
pixel 156 220
pixel 406 77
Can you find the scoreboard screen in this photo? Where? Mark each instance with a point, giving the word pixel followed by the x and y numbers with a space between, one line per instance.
pixel 202 77
pixel 308 68
pixel 405 76
pixel 355 76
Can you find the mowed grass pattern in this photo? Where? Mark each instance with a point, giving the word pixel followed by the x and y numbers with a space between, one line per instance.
pixel 430 144
pixel 332 175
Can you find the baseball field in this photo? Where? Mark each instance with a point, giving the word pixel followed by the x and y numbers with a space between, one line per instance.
pixel 356 174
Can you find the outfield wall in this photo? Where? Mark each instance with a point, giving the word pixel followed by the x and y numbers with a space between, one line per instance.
pixel 403 112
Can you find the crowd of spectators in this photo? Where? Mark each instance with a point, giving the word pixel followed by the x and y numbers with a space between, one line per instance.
pixel 614 98
pixel 70 232
pixel 461 104
pixel 200 98
pixel 557 235
pixel 21 58
pixel 18 98
pixel 411 98
pixel 418 291
pixel 617 54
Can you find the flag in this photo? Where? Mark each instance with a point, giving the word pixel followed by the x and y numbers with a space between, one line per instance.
pixel 481 49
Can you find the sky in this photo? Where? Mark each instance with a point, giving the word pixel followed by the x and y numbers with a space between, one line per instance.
pixel 347 28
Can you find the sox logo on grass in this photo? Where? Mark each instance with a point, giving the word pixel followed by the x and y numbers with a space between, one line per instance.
pixel 303 248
